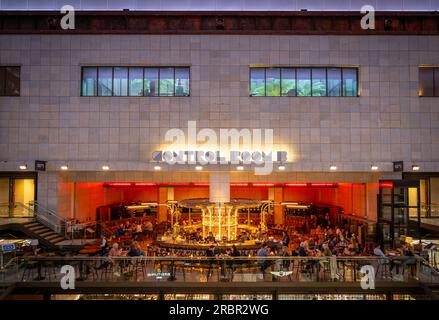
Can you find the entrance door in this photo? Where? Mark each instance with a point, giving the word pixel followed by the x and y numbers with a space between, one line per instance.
pixel 398 212
pixel 23 196
pixel 17 194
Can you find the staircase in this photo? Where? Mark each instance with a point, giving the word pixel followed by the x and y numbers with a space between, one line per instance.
pixel 46 226
pixel 45 235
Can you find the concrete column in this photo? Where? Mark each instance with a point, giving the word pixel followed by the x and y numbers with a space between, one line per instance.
pixel 276 194
pixel 372 190
pixel 219 187
pixel 162 210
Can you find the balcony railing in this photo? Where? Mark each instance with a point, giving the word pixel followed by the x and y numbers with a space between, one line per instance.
pixel 219 269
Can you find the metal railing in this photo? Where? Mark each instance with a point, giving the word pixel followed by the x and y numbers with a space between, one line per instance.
pixel 49 218
pixel 429 211
pixel 221 268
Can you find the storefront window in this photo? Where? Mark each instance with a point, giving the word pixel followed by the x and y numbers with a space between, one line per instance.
pixel 105 81
pixel 334 82
pixel 350 82
pixel 136 81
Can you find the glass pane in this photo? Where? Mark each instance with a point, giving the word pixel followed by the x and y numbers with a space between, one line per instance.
pixel 257 82
pixel 181 82
pixel 136 81
pixel 105 81
pixel 436 82
pixel 350 82
pixel 334 82
pixel 89 81
pixel 426 82
pixel 120 81
pixel 2 81
pixel 166 82
pixel 318 82
pixel 4 197
pixel 272 77
pixel 24 190
pixel 288 82
pixel 12 78
pixel 303 82
pixel 151 82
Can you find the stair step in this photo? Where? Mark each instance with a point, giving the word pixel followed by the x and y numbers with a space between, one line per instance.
pixel 58 240
pixel 36 228
pixel 53 236
pixel 32 224
pixel 46 234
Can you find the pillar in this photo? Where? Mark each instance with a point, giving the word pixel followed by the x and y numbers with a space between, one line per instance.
pixel 276 195
pixel 219 187
pixel 162 211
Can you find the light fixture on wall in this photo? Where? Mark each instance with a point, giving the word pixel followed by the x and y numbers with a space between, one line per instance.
pixel 373 167
pixel 157 168
pixel 105 168
pixel 198 168
pixel 23 167
pixel 64 167
pixel 240 168
pixel 333 167
pixel 281 168
pixel 415 167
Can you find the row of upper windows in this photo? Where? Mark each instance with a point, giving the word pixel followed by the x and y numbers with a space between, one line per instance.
pixel 175 81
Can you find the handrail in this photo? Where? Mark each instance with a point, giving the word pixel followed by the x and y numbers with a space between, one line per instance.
pixel 49 218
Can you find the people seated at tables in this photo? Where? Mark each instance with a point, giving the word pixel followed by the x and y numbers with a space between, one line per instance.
pixel 286 239
pixel 135 250
pixel 210 237
pixel 103 248
pixel 264 251
pixel 120 231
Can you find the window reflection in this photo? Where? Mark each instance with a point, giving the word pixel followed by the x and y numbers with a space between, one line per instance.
pixel 288 82
pixel 349 82
pixel 136 81
pixel 334 82
pixel 318 82
pixel 272 85
pixel 426 82
pixel 166 81
pixel 105 81
pixel 181 82
pixel 89 81
pixel 151 82
pixel 257 82
pixel 304 82
pixel 120 81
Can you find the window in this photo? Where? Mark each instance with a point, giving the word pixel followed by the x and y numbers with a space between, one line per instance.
pixel 334 82
pixel 181 82
pixel 288 81
pixel 429 82
pixel 9 81
pixel 136 82
pixel 133 81
pixel 105 81
pixel 349 82
pixel 257 82
pixel 166 81
pixel 272 82
pixel 89 81
pixel 304 82
pixel 120 82
pixel 318 82
pixel 151 82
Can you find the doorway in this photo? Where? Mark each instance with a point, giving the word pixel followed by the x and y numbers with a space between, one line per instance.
pixel 17 194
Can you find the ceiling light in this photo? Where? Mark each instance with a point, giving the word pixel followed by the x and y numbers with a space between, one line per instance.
pixel 281 168
pixel 333 168
pixel 415 167
pixel 374 168
pixel 105 168
pixel 240 168
pixel 65 167
pixel 198 168
pixel 23 167
pixel 157 168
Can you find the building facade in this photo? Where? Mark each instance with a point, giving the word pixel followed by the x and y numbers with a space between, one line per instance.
pixel 78 107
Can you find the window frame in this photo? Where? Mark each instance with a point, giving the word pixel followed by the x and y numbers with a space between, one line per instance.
pixel 296 68
pixel 435 70
pixel 188 67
